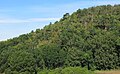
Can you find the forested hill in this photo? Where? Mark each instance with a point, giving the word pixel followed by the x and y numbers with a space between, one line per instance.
pixel 87 38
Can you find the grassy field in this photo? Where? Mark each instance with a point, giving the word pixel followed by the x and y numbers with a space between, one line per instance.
pixel 108 72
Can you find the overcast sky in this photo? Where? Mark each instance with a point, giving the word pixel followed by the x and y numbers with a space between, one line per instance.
pixel 21 16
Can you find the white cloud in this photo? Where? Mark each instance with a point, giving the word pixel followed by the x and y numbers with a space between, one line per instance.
pixel 14 21
pixel 42 19
pixel 6 10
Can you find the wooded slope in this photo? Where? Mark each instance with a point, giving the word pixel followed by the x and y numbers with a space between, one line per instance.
pixel 87 38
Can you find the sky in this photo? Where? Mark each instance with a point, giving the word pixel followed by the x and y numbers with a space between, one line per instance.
pixel 22 16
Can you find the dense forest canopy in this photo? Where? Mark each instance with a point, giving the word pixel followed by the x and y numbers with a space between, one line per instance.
pixel 87 38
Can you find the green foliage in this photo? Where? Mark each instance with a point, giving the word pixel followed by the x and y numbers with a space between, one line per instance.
pixel 68 70
pixel 87 38
pixel 53 55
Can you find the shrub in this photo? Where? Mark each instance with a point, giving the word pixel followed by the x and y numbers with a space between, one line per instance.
pixel 68 70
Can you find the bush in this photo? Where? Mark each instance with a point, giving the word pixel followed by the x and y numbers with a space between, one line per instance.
pixel 68 70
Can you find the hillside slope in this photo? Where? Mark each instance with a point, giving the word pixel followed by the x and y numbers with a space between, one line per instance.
pixel 87 38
